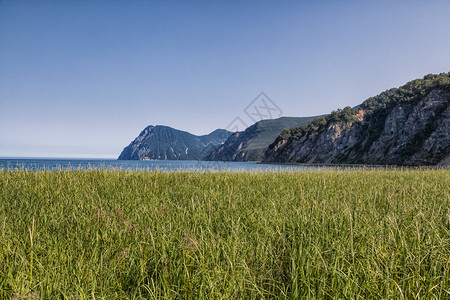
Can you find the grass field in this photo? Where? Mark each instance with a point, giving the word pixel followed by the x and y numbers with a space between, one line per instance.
pixel 120 235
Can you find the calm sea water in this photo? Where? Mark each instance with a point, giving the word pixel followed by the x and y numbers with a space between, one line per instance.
pixel 40 164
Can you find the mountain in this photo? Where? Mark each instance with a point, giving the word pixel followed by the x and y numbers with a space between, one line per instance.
pixel 409 125
pixel 249 145
pixel 166 143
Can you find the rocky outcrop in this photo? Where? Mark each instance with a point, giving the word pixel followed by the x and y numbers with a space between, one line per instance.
pixel 415 135
pixel 406 126
pixel 166 143
pixel 326 147
pixel 250 144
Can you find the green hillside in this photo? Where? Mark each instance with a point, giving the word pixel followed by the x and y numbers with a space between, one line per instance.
pixel 250 144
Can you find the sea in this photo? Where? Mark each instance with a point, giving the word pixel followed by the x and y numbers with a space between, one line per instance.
pixel 57 164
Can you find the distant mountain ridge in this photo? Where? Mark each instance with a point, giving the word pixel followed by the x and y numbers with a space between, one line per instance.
pixel 166 143
pixel 409 125
pixel 249 145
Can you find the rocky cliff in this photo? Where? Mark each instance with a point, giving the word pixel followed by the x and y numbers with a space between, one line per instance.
pixel 405 126
pixel 166 143
pixel 250 144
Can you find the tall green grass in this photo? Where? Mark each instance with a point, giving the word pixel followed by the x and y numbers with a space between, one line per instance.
pixel 152 235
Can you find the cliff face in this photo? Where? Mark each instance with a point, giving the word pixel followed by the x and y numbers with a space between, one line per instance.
pixel 325 147
pixel 166 143
pixel 250 144
pixel 417 135
pixel 407 126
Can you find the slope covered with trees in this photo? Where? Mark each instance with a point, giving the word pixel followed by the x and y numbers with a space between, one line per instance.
pixel 166 143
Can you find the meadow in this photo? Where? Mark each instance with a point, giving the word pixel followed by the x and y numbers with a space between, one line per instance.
pixel 372 234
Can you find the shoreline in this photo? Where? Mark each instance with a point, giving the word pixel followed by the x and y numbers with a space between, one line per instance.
pixel 355 165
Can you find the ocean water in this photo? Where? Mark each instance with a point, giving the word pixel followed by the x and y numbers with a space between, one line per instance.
pixel 41 164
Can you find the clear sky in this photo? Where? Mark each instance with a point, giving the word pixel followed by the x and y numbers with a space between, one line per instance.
pixel 83 78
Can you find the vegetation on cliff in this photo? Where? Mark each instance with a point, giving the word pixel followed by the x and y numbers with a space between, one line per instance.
pixel 369 120
pixel 250 144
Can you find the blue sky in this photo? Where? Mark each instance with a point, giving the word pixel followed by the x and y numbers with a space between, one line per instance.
pixel 83 78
